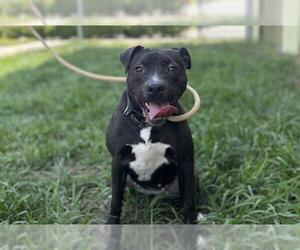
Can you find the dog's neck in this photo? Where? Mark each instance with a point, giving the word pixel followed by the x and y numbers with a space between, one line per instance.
pixel 134 112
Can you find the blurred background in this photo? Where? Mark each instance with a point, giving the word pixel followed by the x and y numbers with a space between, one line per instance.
pixel 54 164
pixel 272 21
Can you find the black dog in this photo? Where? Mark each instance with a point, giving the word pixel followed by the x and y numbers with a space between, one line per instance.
pixel 149 152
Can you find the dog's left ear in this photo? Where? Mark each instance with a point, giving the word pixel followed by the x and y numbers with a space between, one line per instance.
pixel 127 56
pixel 185 55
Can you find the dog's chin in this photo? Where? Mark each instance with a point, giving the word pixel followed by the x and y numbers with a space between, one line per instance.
pixel 156 122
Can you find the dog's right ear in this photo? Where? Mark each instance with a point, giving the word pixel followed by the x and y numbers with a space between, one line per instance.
pixel 127 56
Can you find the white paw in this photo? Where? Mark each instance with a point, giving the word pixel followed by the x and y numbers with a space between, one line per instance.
pixel 201 217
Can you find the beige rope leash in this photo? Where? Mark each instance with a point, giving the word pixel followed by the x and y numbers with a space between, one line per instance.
pixel 91 75
pixel 37 12
pixel 195 108
pixel 73 67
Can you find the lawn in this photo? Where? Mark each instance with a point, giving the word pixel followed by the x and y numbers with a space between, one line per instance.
pixel 55 167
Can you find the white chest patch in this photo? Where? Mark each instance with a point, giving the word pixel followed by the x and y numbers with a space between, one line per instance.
pixel 148 156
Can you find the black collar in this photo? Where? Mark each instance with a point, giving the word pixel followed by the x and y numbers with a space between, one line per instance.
pixel 134 113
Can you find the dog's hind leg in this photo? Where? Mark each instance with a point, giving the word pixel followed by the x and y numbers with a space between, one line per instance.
pixel 201 199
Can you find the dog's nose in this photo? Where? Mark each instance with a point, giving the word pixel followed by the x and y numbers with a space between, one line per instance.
pixel 155 89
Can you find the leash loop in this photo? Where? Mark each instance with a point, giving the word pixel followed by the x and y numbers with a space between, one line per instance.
pixel 194 109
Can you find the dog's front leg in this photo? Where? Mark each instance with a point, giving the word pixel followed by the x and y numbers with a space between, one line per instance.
pixel 187 187
pixel 118 186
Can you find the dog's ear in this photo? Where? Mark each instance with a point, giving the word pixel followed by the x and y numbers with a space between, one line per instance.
pixel 185 55
pixel 127 56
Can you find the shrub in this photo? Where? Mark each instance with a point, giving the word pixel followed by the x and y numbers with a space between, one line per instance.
pixel 92 31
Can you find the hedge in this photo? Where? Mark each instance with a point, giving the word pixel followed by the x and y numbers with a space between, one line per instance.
pixel 92 31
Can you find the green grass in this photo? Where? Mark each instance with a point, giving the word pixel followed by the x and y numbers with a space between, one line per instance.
pixel 55 167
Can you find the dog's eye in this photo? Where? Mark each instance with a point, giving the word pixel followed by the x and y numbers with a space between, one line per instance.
pixel 172 68
pixel 139 69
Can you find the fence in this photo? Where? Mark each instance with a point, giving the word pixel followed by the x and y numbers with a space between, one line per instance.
pixel 272 21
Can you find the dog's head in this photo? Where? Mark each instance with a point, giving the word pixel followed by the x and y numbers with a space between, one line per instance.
pixel 156 79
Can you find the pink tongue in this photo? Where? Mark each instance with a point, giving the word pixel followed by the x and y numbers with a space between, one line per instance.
pixel 163 110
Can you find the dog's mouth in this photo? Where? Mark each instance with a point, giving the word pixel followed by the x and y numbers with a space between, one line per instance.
pixel 157 112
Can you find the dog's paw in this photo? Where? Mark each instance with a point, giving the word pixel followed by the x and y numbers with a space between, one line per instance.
pixel 201 217
pixel 190 216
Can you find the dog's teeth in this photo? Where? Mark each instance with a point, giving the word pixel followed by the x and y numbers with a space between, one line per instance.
pixel 147 106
